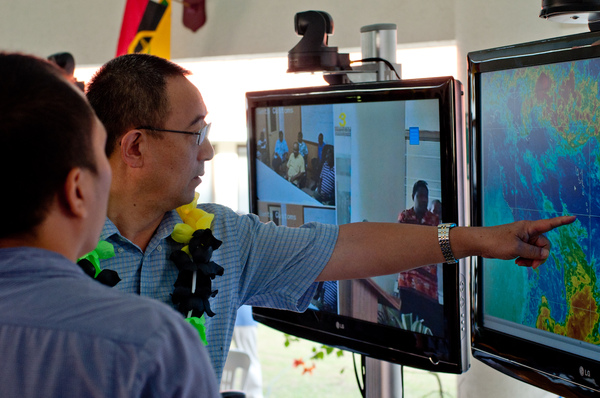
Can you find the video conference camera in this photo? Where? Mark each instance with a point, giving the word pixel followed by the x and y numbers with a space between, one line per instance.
pixel 312 53
pixel 573 11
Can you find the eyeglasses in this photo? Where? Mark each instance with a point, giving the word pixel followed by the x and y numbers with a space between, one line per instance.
pixel 200 135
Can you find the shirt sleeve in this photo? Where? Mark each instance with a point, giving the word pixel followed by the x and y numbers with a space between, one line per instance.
pixel 288 262
pixel 274 266
pixel 285 263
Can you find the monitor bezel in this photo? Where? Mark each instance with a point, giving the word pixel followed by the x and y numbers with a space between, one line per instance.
pixel 397 346
pixel 540 365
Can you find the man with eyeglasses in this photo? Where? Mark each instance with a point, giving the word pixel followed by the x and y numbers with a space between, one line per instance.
pixel 200 135
pixel 63 334
pixel 146 103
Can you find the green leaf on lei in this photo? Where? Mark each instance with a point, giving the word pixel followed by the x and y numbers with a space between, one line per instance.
pixel 103 251
pixel 198 323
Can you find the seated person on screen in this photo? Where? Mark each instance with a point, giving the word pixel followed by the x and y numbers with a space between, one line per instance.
pixel 265 265
pixel 296 170
pixel 325 191
pixel 316 163
pixel 280 155
pixel 63 334
pixel 261 148
pixel 302 148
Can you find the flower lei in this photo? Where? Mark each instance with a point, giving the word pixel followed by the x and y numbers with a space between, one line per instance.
pixel 193 285
pixel 90 263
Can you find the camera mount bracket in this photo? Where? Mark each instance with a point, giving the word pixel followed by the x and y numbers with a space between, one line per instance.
pixel 312 53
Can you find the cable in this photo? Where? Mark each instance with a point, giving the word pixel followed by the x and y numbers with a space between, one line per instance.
pixel 402 379
pixel 377 59
pixel 439 380
pixel 362 387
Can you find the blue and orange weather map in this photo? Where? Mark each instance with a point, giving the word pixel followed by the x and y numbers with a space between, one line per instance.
pixel 540 145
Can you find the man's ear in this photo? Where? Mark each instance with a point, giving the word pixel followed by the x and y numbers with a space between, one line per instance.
pixel 133 145
pixel 76 189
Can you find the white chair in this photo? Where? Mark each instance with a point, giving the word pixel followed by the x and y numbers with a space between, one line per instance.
pixel 235 371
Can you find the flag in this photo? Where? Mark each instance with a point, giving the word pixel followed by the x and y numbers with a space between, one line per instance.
pixel 194 14
pixel 146 28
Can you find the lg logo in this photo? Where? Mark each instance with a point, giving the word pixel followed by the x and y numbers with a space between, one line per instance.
pixel 584 373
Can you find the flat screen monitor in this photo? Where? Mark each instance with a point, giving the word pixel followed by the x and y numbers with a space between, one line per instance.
pixel 364 149
pixel 535 137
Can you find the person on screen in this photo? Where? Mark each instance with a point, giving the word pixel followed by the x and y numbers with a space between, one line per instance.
pixel 296 170
pixel 317 163
pixel 436 208
pixel 326 297
pixel 320 146
pixel 261 148
pixel 419 214
pixel 264 265
pixel 325 191
pixel 280 155
pixel 65 334
pixel 423 279
pixel 302 148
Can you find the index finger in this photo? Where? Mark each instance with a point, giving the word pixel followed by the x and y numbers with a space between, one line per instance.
pixel 548 224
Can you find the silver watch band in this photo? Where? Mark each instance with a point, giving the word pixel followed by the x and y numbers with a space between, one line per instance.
pixel 444 241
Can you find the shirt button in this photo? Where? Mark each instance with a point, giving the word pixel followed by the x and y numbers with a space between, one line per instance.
pixel 120 250
pixel 159 248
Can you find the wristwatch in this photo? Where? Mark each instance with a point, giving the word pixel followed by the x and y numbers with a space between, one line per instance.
pixel 444 241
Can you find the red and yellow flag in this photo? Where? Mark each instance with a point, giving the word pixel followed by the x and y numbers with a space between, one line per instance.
pixel 146 28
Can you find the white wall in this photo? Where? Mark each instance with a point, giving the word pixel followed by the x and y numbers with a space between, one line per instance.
pixel 90 29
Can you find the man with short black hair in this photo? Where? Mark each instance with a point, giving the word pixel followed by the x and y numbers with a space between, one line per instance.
pixel 63 334
pixel 157 147
pixel 419 213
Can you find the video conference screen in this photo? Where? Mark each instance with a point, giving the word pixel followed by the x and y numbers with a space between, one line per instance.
pixel 358 162
pixel 540 146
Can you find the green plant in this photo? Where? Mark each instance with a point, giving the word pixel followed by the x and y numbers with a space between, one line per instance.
pixel 319 353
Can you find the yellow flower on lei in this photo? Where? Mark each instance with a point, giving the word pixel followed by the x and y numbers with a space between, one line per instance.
pixel 193 219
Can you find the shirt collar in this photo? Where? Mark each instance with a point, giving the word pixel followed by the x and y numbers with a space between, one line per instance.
pixel 36 262
pixel 164 229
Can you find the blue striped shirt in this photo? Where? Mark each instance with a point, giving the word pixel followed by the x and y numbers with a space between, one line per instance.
pixel 327 180
pixel 265 265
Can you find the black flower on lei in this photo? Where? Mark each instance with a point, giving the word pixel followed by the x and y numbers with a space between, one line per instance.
pixel 193 286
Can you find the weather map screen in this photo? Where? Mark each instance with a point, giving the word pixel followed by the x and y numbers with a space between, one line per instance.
pixel 540 158
pixel 534 134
